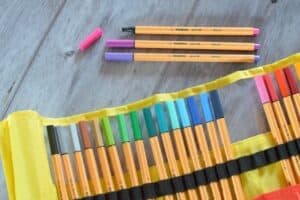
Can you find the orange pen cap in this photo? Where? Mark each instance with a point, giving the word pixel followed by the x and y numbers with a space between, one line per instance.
pixel 282 83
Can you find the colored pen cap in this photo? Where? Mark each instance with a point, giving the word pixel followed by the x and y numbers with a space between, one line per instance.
pixel 270 87
pixel 291 80
pixel 282 83
pixel 85 134
pixel 194 111
pixel 149 122
pixel 135 124
pixel 90 39
pixel 183 114
pixel 262 90
pixel 118 56
pixel 256 31
pixel 172 115
pixel 119 43
pixel 97 133
pixel 123 128
pixel 75 137
pixel 53 140
pixel 107 131
pixel 161 118
pixel 206 107
pixel 216 104
pixel 297 68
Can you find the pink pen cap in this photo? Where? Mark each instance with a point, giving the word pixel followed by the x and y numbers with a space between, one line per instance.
pixel 90 39
pixel 262 90
pixel 118 56
pixel 256 31
pixel 120 43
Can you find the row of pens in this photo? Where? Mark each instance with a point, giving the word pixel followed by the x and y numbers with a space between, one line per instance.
pixel 189 138
pixel 184 45
pixel 179 131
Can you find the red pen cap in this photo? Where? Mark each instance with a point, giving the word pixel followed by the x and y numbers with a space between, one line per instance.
pixel 270 87
pixel 290 193
pixel 291 80
pixel 282 83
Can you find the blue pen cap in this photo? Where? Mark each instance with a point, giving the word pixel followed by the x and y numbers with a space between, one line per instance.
pixel 184 117
pixel 216 104
pixel 194 111
pixel 161 119
pixel 207 111
pixel 173 115
pixel 149 122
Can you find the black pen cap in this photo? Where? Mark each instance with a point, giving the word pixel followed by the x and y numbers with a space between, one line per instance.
pixel 53 140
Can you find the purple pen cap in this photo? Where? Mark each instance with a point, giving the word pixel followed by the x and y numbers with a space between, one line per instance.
pixel 256 58
pixel 120 43
pixel 118 56
pixel 256 47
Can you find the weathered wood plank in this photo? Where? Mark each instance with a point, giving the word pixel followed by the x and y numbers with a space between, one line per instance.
pixel 23 27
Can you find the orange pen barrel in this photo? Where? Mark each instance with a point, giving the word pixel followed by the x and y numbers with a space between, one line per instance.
pixel 90 158
pixel 79 164
pixel 59 175
pixel 103 160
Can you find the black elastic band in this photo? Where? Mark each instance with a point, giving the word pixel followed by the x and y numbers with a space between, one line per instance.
pixel 177 183
pixel 123 194
pixel 212 174
pixel 99 197
pixel 112 196
pixel 164 187
pixel 135 193
pixel 189 181
pixel 149 191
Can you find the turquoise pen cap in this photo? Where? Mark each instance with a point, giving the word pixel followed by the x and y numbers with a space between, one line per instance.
pixel 161 119
pixel 205 102
pixel 173 115
pixel 183 114
pixel 149 122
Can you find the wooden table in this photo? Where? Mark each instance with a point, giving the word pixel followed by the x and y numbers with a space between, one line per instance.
pixel 37 72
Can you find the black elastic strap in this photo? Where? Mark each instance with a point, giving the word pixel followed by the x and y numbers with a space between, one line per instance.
pixel 211 174
pixel 233 167
pixel 282 152
pixel 177 183
pixel 292 148
pixel 124 194
pixel 136 193
pixel 164 187
pixel 201 178
pixel 189 181
pixel 222 171
pixel 99 197
pixel 149 191
pixel 112 196
pixel 260 159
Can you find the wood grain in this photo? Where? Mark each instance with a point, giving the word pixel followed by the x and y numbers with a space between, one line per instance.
pixel 38 73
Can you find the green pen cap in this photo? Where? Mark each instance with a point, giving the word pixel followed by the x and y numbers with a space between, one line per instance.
pixel 108 134
pixel 123 128
pixel 135 124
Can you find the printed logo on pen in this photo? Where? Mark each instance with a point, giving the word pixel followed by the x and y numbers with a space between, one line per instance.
pixel 181 29
pixel 179 55
pixel 180 43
